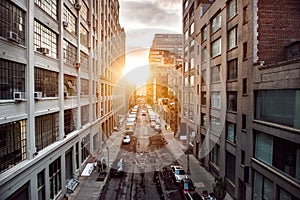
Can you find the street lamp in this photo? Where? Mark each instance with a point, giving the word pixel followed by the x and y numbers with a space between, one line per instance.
pixel 107 157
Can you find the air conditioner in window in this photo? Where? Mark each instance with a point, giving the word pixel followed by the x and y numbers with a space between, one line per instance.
pixel 43 50
pixel 38 95
pixel 13 36
pixel 19 96
pixel 65 24
pixel 77 6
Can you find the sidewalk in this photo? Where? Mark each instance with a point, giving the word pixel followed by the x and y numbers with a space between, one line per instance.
pixel 89 187
pixel 202 179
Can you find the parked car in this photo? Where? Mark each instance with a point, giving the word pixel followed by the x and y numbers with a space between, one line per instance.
pixel 193 196
pixel 178 173
pixel 126 139
pixel 117 168
pixel 187 185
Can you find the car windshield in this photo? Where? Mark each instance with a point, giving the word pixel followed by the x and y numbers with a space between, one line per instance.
pixel 179 172
pixel 188 186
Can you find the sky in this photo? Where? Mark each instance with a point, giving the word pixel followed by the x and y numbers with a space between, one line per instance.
pixel 141 19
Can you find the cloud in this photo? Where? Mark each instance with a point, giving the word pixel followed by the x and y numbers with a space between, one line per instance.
pixel 145 14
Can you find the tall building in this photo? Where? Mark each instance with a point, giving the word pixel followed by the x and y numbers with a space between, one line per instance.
pixel 242 66
pixel 165 53
pixel 165 58
pixel 59 70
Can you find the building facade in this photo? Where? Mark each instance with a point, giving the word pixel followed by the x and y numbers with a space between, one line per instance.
pixel 59 72
pixel 165 59
pixel 242 64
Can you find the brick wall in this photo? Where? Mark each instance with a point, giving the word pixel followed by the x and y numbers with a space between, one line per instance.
pixel 278 24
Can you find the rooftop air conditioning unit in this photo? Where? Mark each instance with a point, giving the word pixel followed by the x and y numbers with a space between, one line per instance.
pixel 13 36
pixel 65 24
pixel 38 95
pixel 77 6
pixel 43 50
pixel 19 96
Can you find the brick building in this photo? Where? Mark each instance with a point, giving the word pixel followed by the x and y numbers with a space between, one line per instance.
pixel 242 66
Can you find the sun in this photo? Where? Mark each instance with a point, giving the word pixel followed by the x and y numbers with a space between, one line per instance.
pixel 137 69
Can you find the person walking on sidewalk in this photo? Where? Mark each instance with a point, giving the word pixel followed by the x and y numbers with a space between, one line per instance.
pixel 99 165
pixel 104 164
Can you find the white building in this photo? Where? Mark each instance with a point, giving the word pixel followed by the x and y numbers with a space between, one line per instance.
pixel 59 69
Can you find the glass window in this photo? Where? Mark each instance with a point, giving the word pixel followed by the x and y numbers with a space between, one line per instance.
pixel 46 81
pixel 215 99
pixel 231 132
pixel 232 101
pixel 70 18
pixel 12 78
pixel 70 88
pixel 232 69
pixel 191 97
pixel 264 147
pixel 231 9
pixel 262 187
pixel 245 51
pixel 186 97
pixel 84 36
pixel 84 87
pixel 84 11
pixel 186 35
pixel 41 185
pixel 203 54
pixel 278 106
pixel 85 147
pixel 215 124
pixel 12 19
pixel 203 98
pixel 244 121
pixel 284 195
pixel 216 23
pixel 216 48
pixel 204 33
pixel 46 130
pixel 192 80
pixel 203 119
pixel 70 120
pixel 186 81
pixel 245 87
pixel 70 53
pixel 50 7
pixel 215 74
pixel 45 40
pixel 84 60
pixel 192 28
pixel 269 150
pixel 245 14
pixel 192 62
pixel 55 178
pixel 214 154
pixel 232 38
pixel 230 167
pixel 84 115
pixel 12 144
pixel 203 77
pixel 186 66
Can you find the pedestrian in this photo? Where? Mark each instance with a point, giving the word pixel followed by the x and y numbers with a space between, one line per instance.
pixel 103 164
pixel 206 196
pixel 99 165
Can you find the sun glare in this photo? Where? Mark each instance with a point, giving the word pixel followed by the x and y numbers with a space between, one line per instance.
pixel 137 68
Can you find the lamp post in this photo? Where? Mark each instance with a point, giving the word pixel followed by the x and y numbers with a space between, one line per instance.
pixel 107 157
